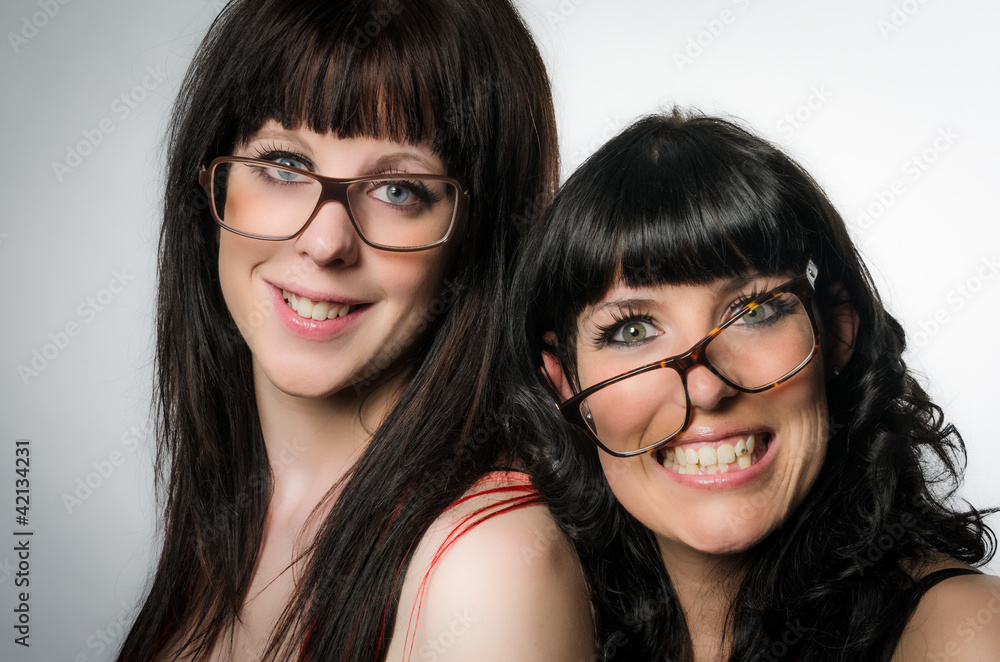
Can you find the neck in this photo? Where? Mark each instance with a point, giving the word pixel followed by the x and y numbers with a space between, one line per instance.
pixel 705 585
pixel 312 443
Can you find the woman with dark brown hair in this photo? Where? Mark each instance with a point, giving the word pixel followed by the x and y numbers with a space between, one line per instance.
pixel 752 471
pixel 340 476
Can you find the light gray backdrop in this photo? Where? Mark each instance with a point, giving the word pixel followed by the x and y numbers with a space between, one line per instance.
pixel 891 104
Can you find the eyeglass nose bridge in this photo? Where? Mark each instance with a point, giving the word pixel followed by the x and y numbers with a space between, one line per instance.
pixel 333 190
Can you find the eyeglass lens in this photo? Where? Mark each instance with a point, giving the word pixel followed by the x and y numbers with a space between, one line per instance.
pixel 270 201
pixel 759 349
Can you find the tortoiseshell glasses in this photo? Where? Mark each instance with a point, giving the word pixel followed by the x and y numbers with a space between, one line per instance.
pixel 763 344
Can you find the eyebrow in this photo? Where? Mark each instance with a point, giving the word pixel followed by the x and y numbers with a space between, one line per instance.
pixel 265 134
pixel 401 156
pixel 737 282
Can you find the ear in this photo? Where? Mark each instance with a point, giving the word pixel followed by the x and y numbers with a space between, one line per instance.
pixel 552 370
pixel 842 329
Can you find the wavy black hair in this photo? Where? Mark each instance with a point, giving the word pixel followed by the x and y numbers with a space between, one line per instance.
pixel 685 198
pixel 461 75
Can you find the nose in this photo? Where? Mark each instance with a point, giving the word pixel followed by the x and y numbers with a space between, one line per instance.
pixel 706 390
pixel 330 237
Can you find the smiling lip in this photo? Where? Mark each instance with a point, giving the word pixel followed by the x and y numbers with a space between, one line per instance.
pixel 311 329
pixel 715 437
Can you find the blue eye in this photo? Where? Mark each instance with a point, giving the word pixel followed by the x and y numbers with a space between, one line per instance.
pixel 294 163
pixel 394 194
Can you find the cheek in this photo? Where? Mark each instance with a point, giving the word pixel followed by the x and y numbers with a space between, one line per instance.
pixel 623 476
pixel 238 258
pixel 806 428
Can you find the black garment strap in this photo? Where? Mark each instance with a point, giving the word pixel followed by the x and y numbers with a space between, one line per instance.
pixel 916 592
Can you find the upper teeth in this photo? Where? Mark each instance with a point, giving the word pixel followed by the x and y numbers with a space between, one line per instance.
pixel 710 459
pixel 319 310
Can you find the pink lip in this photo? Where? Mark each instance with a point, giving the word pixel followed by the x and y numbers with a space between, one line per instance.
pixel 729 479
pixel 314 329
pixel 315 295
pixel 715 434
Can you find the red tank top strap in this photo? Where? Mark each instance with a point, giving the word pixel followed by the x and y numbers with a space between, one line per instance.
pixel 519 493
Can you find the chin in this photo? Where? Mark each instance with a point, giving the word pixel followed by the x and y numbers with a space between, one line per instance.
pixel 300 380
pixel 723 536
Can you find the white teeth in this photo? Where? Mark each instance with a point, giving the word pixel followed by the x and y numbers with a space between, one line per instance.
pixel 320 310
pixel 708 460
pixel 305 307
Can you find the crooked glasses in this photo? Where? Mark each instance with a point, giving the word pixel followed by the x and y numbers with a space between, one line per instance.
pixel 763 344
pixel 392 211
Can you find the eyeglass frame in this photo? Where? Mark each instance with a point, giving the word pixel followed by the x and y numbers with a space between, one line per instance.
pixel 333 189
pixel 803 287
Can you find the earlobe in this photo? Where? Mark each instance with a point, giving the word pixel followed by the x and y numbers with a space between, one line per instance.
pixel 553 373
pixel 843 322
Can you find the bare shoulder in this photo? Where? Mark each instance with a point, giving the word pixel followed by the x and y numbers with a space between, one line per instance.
pixel 511 587
pixel 957 620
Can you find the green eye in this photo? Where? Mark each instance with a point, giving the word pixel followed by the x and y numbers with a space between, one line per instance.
pixel 633 332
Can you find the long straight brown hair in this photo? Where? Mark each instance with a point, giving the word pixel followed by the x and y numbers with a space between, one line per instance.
pixel 462 74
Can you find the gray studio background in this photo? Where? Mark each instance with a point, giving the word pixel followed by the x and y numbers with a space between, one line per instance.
pixel 891 104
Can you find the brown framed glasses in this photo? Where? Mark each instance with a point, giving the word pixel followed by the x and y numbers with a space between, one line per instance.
pixel 763 344
pixel 274 202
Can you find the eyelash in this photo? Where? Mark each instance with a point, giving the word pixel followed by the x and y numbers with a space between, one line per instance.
pixel 742 299
pixel 606 332
pixel 271 152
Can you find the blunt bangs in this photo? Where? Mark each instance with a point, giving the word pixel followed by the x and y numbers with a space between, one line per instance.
pixel 675 200
pixel 376 69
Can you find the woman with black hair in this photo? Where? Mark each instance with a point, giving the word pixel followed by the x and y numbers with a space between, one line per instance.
pixel 752 472
pixel 340 478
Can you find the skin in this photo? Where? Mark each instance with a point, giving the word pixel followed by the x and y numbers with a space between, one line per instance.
pixel 702 532
pixel 316 424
